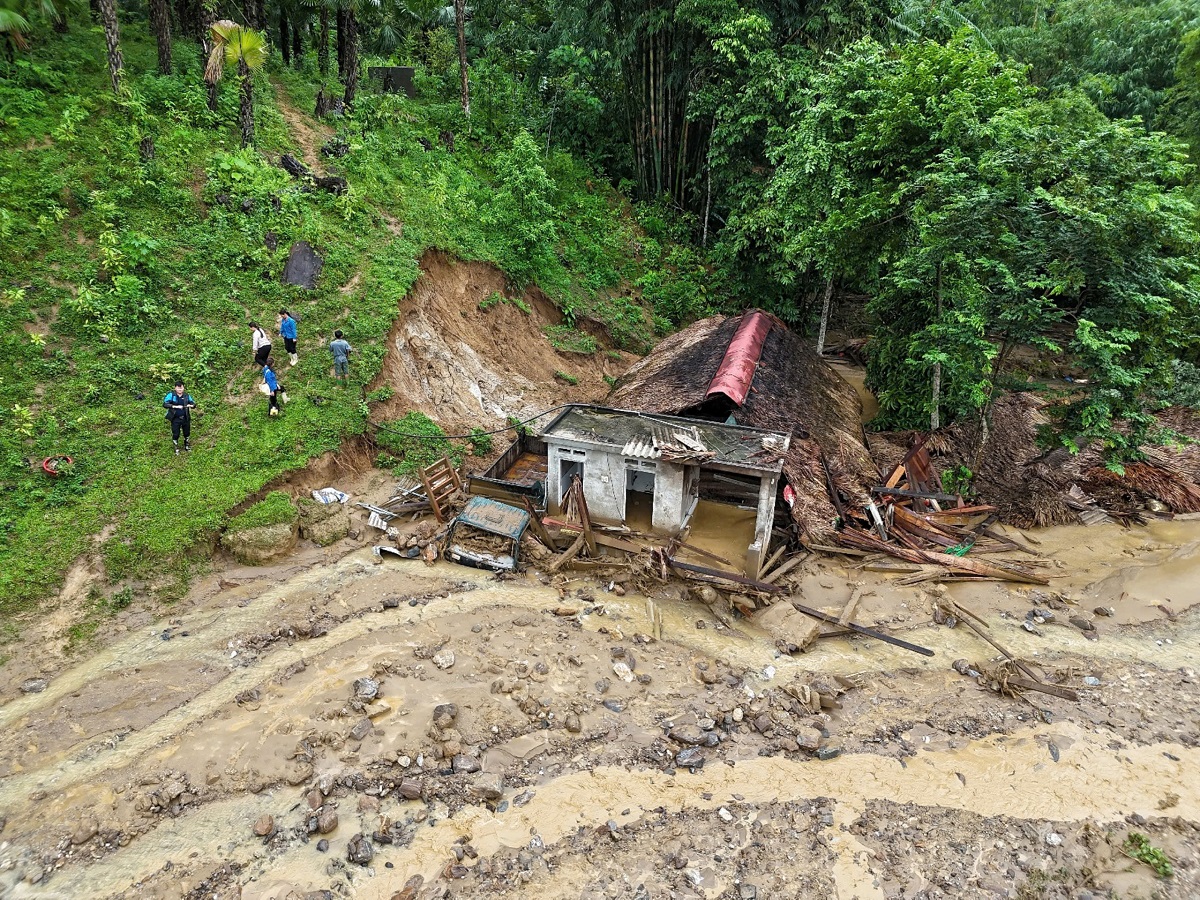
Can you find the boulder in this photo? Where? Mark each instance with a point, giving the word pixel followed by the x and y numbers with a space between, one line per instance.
pixel 303 266
pixel 323 523
pixel 255 546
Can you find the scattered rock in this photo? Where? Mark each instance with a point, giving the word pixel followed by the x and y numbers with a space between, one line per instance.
pixel 615 705
pixel 726 815
pixel 322 845
pixel 255 546
pixel 323 523
pixel 359 850
pixel 444 715
pixel 465 765
pixel 409 892
pixel 410 789
pixel 690 757
pixel 829 752
pixel 303 266
pixel 1082 624
pixel 327 821
pixel 686 734
pixel 443 659
pixel 488 786
pixel 34 685
pixel 264 825
pixel 85 831
pixel 573 724
pixel 361 729
pixel 1104 611
pixel 1054 839
pixel 366 689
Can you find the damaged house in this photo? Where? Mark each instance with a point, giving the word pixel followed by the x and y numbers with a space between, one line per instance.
pixel 722 429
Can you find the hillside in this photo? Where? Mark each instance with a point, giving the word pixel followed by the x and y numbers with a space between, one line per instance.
pixel 127 270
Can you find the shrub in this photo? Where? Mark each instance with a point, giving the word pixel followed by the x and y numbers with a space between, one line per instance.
pixel 566 339
pixel 481 442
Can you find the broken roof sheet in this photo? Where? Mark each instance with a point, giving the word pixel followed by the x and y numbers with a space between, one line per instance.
pixel 737 368
pixel 671 438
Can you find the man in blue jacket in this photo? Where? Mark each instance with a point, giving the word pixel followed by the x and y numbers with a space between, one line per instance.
pixel 179 405
pixel 287 328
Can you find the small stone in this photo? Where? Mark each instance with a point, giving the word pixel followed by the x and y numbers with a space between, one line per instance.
pixel 488 786
pixel 404 761
pixel 34 685
pixel 465 765
pixel 410 789
pixel 622 671
pixel 615 705
pixel 747 892
pixel 366 689
pixel 314 798
pixel 1082 624
pixel 1091 681
pixel 829 753
pixel 686 734
pixel 359 850
pixel 322 845
pixel 444 715
pixel 573 724
pixel 264 825
pixel 738 714
pixel 85 832
pixel 1054 839
pixel 690 758
pixel 443 659
pixel 706 724
pixel 410 889
pixel 726 815
pixel 327 821
pixel 1105 611
pixel 361 729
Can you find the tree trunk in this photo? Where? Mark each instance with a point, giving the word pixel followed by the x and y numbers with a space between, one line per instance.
pixel 341 42
pixel 351 78
pixel 160 24
pixel 246 111
pixel 112 39
pixel 285 39
pixel 297 46
pixel 934 415
pixel 323 42
pixel 824 316
pixel 60 23
pixel 460 22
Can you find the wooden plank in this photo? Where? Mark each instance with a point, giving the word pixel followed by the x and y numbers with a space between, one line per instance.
pixel 850 608
pixel 788 564
pixel 698 551
pixel 774 558
pixel 997 568
pixel 535 524
pixel 584 519
pixel 921 495
pixel 726 576
pixel 567 555
pixel 863 630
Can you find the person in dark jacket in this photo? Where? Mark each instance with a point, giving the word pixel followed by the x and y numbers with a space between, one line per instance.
pixel 287 328
pixel 272 383
pixel 179 405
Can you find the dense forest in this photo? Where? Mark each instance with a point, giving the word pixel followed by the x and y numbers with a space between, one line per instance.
pixel 988 175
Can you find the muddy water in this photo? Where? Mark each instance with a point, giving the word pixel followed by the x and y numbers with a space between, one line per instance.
pixel 724 530
pixel 199 722
pixel 993 777
pixel 856 377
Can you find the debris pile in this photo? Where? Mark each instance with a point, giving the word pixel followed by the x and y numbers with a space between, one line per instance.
pixel 911 518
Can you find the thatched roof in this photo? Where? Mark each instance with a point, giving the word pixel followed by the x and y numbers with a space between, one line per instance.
pixel 793 391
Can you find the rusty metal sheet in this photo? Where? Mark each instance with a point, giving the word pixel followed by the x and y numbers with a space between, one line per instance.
pixel 494 517
pixel 741 358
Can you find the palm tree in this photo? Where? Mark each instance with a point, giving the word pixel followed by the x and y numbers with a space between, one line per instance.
pixel 236 45
pixel 160 24
pixel 13 27
pixel 112 40
pixel 460 25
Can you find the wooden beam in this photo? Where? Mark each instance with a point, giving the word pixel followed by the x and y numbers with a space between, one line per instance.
pixel 860 629
pixel 787 566
pixel 567 555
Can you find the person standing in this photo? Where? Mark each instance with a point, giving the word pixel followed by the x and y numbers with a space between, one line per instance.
pixel 179 405
pixel 273 383
pixel 287 328
pixel 262 344
pixel 341 349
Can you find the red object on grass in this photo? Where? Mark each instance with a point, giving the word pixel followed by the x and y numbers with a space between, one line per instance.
pixel 741 358
pixel 51 463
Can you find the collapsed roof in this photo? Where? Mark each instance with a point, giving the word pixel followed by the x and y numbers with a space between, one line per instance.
pixel 753 368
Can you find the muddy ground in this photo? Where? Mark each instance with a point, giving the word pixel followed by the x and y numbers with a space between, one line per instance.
pixel 335 726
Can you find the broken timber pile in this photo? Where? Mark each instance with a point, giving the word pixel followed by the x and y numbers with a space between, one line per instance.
pixel 911 518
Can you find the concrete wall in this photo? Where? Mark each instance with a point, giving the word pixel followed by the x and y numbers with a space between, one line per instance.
pixel 669 498
pixel 756 554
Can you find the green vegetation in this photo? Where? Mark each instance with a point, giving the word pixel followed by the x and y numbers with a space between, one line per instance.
pixel 481 442
pixel 566 339
pixel 495 298
pixel 274 509
pixel 1138 846
pixel 414 442
pixel 568 378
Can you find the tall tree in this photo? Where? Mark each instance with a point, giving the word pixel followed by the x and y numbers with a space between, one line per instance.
pixel 285 39
pixel 350 73
pixel 246 49
pixel 323 39
pixel 460 25
pixel 112 41
pixel 160 24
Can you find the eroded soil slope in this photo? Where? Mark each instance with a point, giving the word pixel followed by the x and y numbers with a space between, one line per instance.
pixel 468 359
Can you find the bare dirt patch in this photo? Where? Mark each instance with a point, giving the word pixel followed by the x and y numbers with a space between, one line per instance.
pixel 465 366
pixel 308 134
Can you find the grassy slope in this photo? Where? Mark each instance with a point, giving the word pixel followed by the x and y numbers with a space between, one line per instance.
pixel 136 275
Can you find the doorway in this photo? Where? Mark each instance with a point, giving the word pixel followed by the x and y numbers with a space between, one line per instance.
pixel 567 470
pixel 639 499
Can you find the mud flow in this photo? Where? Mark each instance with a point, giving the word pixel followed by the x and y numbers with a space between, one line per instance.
pixel 337 726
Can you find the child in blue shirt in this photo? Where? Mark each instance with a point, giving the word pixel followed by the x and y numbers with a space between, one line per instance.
pixel 287 328
pixel 272 383
pixel 179 405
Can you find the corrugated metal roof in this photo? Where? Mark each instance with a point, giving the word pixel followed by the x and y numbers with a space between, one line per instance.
pixel 741 358
pixel 640 448
pixel 492 516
